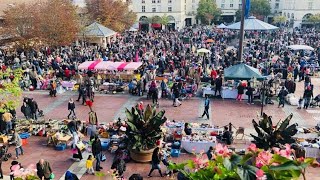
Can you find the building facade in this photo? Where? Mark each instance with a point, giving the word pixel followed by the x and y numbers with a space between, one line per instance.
pixel 180 13
pixel 298 11
pixel 229 9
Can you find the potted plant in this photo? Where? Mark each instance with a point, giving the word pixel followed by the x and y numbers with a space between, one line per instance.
pixel 270 135
pixel 144 130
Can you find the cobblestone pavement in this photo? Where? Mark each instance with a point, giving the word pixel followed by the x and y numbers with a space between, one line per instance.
pixel 110 107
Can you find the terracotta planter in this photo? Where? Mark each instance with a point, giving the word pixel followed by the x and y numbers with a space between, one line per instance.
pixel 141 156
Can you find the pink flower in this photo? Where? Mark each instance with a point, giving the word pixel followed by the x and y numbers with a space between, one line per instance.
pixel 252 148
pixel 222 150
pixel 259 173
pixel 264 158
pixel 276 150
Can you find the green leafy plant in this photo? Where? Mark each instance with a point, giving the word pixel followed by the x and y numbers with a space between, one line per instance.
pixel 144 128
pixel 255 164
pixel 10 91
pixel 269 135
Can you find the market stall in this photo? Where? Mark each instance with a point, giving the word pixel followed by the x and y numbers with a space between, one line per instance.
pixel 194 144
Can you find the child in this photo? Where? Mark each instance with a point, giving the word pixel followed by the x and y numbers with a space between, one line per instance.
pixel 300 103
pixel 89 165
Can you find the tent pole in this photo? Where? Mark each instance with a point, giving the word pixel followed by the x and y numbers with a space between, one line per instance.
pixel 240 52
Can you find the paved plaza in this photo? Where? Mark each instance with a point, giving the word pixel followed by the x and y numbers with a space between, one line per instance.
pixel 110 107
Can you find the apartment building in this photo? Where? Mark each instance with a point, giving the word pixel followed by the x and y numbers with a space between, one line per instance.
pixel 298 11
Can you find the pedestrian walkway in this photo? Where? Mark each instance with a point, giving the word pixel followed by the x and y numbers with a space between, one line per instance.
pixel 78 168
pixel 131 102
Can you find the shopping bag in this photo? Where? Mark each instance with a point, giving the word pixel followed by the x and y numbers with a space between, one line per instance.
pixel 52 176
pixel 103 158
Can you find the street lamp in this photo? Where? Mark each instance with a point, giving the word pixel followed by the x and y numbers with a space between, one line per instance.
pixel 263 95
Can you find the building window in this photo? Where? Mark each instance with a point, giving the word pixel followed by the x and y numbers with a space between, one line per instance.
pixel 193 7
pixel 169 1
pixel 193 1
pixel 276 6
pixel 143 8
pixel 310 5
pixel 169 9
pixel 153 1
pixel 222 6
pixel 154 9
pixel 223 1
pixel 159 1
pixel 231 5
pixel 143 1
pixel 231 1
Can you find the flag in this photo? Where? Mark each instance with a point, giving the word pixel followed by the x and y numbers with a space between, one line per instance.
pixel 247 8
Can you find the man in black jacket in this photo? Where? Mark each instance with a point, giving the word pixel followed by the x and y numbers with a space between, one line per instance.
pixel 34 108
pixel 71 107
pixel 97 152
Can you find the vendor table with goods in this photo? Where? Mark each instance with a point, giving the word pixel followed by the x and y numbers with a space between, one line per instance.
pixel 229 93
pixel 69 85
pixel 197 146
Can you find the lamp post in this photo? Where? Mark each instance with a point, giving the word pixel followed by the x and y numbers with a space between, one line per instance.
pixel 263 91
pixel 241 31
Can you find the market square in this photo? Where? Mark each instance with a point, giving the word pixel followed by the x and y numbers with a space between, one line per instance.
pixel 186 90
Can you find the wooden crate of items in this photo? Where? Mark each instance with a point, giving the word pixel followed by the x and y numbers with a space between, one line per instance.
pixel 3 139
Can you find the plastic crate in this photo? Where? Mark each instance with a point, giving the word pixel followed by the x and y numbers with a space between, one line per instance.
pixel 61 147
pixel 175 152
pixel 105 144
pixel 24 135
pixel 176 145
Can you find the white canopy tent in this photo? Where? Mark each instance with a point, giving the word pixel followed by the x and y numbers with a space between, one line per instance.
pixel 301 47
pixel 252 24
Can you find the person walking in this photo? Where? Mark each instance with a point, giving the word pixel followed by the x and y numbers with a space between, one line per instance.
pixel 307 95
pixel 18 143
pixel 97 152
pixel 249 93
pixel 44 170
pixel 89 165
pixel 34 109
pixel 156 159
pixel 281 97
pixel 71 107
pixel 206 108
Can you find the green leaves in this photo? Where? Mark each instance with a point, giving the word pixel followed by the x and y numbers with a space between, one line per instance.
pixel 260 8
pixel 144 128
pixel 269 136
pixel 207 11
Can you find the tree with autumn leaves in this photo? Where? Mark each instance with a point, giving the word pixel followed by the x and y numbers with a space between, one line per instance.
pixel 114 14
pixel 52 22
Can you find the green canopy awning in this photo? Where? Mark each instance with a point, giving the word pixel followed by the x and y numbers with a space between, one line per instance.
pixel 242 72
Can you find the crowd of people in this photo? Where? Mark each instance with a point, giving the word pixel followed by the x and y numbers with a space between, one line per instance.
pixel 170 54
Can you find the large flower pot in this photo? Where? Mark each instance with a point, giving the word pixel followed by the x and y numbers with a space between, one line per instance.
pixel 142 155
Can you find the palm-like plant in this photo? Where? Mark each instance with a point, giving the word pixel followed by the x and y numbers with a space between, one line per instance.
pixel 144 128
pixel 269 136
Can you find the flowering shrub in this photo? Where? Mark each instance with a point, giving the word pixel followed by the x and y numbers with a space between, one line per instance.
pixel 255 164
